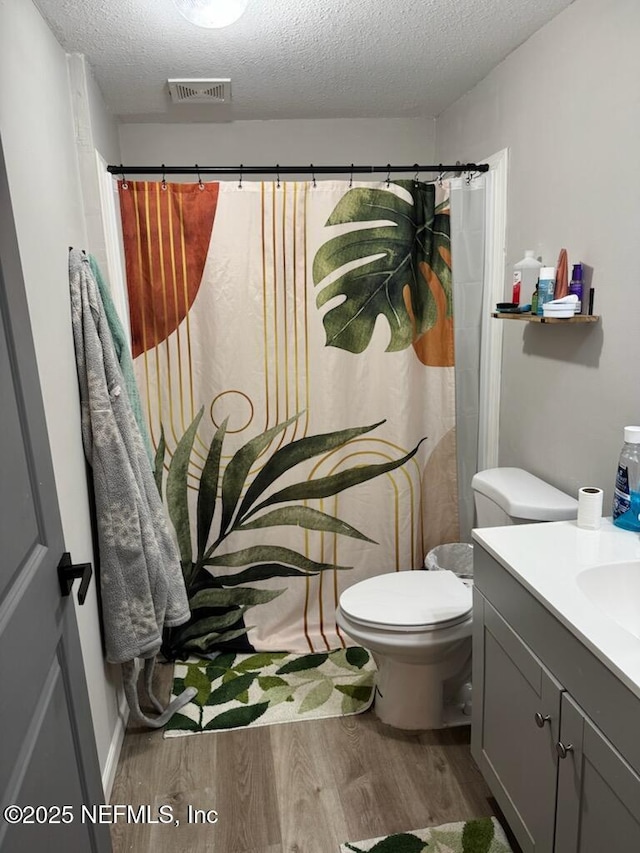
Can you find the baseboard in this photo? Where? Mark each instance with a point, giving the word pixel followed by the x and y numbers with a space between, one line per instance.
pixel 111 764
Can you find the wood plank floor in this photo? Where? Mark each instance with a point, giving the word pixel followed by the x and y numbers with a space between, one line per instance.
pixel 295 788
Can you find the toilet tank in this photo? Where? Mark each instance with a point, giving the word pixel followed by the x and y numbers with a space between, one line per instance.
pixel 513 496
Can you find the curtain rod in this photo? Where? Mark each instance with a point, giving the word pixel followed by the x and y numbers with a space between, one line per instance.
pixel 291 170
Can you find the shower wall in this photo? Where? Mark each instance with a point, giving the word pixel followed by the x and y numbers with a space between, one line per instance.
pixel 318 141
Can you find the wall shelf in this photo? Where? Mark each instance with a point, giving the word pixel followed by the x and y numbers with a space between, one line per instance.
pixel 534 318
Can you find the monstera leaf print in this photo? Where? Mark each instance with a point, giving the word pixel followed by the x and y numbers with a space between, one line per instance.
pixel 398 267
pixel 232 503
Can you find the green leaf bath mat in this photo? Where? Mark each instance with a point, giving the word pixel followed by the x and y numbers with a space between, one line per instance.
pixel 473 836
pixel 261 689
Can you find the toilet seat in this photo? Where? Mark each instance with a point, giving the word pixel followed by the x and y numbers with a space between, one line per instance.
pixel 408 601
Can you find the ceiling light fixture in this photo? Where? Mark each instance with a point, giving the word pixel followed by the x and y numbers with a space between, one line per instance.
pixel 211 13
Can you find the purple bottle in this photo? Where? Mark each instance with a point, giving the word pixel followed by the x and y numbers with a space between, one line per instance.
pixel 576 286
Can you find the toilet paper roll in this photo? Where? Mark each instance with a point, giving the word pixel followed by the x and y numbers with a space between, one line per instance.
pixel 589 507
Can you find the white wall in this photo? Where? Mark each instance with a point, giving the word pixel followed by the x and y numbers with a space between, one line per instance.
pixel 331 142
pixel 37 127
pixel 95 130
pixel 567 105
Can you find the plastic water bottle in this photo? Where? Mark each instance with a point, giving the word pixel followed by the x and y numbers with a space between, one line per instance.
pixel 626 496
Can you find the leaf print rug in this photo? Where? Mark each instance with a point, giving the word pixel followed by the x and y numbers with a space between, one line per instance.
pixel 475 836
pixel 239 690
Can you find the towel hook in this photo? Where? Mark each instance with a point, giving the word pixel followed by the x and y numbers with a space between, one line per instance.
pixel 164 183
pixel 200 184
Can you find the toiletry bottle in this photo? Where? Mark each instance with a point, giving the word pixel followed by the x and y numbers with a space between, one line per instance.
pixel 576 286
pixel 626 496
pixel 534 301
pixel 525 276
pixel 546 287
pixel 562 283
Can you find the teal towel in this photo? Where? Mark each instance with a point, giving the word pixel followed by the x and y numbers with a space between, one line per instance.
pixel 123 354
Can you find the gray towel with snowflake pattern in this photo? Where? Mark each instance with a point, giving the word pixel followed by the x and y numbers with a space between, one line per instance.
pixel 141 579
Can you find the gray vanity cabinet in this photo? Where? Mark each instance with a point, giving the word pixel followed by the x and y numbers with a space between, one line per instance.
pixel 598 791
pixel 514 738
pixel 550 725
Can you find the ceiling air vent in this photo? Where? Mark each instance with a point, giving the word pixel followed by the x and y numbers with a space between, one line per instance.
pixel 200 91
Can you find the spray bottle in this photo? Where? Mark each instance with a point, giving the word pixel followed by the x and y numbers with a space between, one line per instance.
pixel 525 276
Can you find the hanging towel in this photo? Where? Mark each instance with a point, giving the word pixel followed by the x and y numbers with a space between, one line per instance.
pixel 123 354
pixel 141 579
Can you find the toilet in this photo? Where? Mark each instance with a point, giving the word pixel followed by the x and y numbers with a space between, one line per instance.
pixel 417 624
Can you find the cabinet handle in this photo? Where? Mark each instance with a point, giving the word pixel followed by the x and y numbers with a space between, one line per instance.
pixel 541 719
pixel 563 750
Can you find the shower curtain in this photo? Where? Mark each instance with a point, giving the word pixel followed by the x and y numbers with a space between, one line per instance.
pixel 470 305
pixel 294 348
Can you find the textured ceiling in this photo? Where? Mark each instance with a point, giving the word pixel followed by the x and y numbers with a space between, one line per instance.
pixel 297 58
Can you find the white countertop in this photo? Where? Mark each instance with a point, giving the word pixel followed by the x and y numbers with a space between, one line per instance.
pixel 546 559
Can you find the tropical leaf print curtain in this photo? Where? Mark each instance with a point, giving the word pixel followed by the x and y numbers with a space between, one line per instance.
pixel 294 348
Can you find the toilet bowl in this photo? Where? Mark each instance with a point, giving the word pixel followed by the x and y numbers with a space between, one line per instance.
pixel 417 624
pixel 418 627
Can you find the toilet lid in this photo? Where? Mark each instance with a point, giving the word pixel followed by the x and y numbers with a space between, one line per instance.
pixel 408 599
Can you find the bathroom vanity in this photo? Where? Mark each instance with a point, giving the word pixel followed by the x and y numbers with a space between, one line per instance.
pixel 556 683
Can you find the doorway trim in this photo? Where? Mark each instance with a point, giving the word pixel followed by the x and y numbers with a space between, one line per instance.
pixel 492 332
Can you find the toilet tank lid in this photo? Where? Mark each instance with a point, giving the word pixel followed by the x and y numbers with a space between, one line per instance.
pixel 522 495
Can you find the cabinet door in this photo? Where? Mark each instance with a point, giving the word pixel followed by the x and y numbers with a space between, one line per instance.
pixel 514 749
pixel 598 792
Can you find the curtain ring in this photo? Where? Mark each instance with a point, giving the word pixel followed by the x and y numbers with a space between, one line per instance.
pixel 277 176
pixel 240 180
pixel 467 178
pixel 440 176
pixel 313 176
pixel 164 183
pixel 125 183
pixel 416 177
pixel 351 177
pixel 200 184
pixel 388 175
